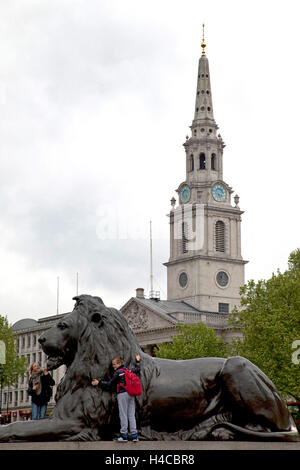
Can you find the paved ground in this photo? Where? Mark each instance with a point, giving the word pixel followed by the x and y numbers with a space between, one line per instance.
pixel 152 445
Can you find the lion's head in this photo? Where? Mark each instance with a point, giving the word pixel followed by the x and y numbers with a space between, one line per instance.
pixel 60 343
pixel 88 338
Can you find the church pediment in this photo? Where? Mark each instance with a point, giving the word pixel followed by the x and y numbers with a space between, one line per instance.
pixel 141 317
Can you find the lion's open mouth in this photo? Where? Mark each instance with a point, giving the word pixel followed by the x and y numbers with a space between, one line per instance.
pixel 55 357
pixel 53 362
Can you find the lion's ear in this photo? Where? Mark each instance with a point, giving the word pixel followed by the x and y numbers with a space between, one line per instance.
pixel 77 299
pixel 96 317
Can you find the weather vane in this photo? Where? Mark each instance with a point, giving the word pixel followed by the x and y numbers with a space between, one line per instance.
pixel 203 45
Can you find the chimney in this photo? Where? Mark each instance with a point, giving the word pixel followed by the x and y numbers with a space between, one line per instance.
pixel 140 293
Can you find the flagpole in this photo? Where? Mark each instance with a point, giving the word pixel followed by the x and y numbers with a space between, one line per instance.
pixel 57 297
pixel 151 263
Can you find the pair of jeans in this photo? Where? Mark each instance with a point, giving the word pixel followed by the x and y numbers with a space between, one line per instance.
pixel 38 411
pixel 126 405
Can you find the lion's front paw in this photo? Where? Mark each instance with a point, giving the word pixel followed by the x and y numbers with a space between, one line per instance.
pixel 4 434
pixel 222 434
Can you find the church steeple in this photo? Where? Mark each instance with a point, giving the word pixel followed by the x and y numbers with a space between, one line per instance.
pixel 204 149
pixel 204 122
pixel 205 267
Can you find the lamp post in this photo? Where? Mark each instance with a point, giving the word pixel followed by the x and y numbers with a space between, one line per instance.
pixel 1 387
pixel 2 365
pixel 6 419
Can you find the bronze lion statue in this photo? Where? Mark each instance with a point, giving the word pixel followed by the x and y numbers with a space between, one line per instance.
pixel 197 399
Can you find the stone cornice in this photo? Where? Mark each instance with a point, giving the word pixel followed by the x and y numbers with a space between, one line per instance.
pixel 207 257
pixel 213 210
pixel 156 333
pixel 164 329
pixel 226 210
pixel 207 140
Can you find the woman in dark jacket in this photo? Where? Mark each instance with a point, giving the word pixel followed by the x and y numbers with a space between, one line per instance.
pixel 39 388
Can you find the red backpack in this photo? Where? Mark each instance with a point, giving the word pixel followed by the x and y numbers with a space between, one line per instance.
pixel 133 384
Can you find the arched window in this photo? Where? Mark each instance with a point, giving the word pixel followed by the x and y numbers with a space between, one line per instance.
pixel 192 162
pixel 213 162
pixel 202 161
pixel 220 236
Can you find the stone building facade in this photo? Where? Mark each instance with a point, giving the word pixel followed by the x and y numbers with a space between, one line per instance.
pixel 16 404
pixel 154 321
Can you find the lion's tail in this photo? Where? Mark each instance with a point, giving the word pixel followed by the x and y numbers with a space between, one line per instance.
pixel 292 435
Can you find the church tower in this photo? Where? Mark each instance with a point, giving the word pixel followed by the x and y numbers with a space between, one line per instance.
pixel 205 268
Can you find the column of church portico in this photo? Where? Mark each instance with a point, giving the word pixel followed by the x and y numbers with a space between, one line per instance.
pixel 148 349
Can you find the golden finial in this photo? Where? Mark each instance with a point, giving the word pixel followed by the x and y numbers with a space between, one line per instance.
pixel 203 45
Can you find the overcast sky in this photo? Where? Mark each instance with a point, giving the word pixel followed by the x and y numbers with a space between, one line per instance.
pixel 96 98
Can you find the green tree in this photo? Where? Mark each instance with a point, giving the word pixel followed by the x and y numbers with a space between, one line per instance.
pixel 192 341
pixel 270 322
pixel 14 365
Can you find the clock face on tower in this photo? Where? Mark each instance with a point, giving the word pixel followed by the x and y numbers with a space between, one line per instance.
pixel 185 194
pixel 222 278
pixel 183 279
pixel 219 192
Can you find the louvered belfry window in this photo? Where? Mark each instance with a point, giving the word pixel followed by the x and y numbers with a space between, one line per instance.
pixel 220 236
pixel 202 161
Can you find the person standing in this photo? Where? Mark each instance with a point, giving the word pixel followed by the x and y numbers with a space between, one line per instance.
pixel 126 403
pixel 39 388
